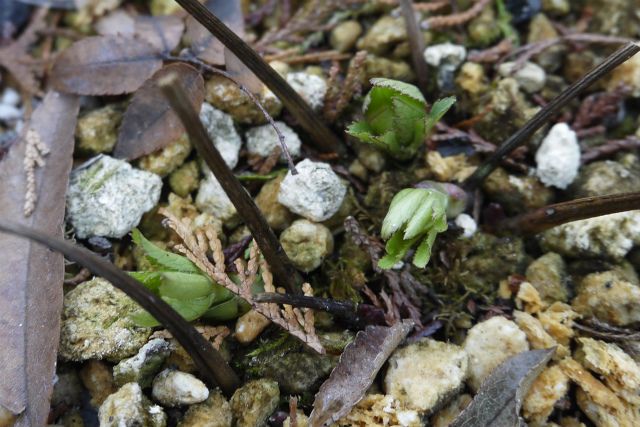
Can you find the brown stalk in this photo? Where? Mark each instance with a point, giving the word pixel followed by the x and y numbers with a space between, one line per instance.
pixel 208 360
pixel 357 315
pixel 284 272
pixel 324 139
pixel 523 134
pixel 416 42
pixel 550 216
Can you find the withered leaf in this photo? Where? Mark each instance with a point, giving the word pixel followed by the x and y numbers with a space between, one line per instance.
pixel 499 399
pixel 162 32
pixel 357 368
pixel 149 123
pixel 31 276
pixel 203 44
pixel 105 65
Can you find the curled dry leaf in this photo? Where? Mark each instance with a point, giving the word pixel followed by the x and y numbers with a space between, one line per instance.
pixel 105 65
pixel 357 368
pixel 149 123
pixel 31 288
pixel 499 399
pixel 162 32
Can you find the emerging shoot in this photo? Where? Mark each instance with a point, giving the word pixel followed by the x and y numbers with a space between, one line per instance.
pixel 416 216
pixel 184 287
pixel 396 119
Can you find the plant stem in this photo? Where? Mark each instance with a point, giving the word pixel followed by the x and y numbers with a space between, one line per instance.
pixel 550 216
pixel 358 315
pixel 284 272
pixel 208 360
pixel 416 42
pixel 522 135
pixel 323 137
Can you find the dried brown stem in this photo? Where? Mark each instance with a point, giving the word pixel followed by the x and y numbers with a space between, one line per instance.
pixel 208 360
pixel 416 42
pixel 455 19
pixel 523 134
pixel 609 148
pixel 285 273
pixel 550 216
pixel 324 139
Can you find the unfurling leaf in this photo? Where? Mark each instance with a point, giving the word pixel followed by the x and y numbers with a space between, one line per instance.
pixel 395 118
pixel 357 368
pixel 165 260
pixel 499 399
pixel 105 65
pixel 150 124
pixel 415 215
pixel 31 276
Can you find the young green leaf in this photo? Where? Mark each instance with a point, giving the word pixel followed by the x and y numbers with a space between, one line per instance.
pixel 161 258
pixel 438 110
pixel 223 312
pixel 150 279
pixel 189 309
pixel 185 286
pixel 415 215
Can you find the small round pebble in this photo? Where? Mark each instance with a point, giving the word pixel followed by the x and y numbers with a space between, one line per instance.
pixel 490 343
pixel 307 244
pixel 558 158
pixel 315 193
pixel 262 140
pixel 176 388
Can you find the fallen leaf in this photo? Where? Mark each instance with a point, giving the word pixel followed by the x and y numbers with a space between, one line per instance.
pixel 357 368
pixel 105 65
pixel 162 32
pixel 203 44
pixel 499 399
pixel 150 123
pixel 31 277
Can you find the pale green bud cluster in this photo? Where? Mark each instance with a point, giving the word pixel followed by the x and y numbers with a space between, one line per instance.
pixel 415 216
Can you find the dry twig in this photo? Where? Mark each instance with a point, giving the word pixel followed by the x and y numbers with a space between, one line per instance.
pixel 452 20
pixel 339 95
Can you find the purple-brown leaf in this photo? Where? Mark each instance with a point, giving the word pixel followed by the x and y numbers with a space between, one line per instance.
pixel 31 276
pixel 105 65
pixel 357 368
pixel 162 32
pixel 149 123
pixel 499 399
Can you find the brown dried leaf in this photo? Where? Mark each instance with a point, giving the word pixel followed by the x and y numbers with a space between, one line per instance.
pixel 499 399
pixel 31 279
pixel 105 65
pixel 162 32
pixel 357 368
pixel 203 44
pixel 149 123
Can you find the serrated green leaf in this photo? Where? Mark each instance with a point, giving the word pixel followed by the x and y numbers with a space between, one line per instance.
pixel 438 110
pixel 185 286
pixel 378 112
pixel 400 210
pixel 161 258
pixel 408 122
pixel 400 87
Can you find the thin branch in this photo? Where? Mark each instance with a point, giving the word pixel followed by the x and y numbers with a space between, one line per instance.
pixel 550 216
pixel 610 147
pixel 208 360
pixel 416 42
pixel 285 273
pixel 198 62
pixel 445 21
pixel 323 137
pixel 358 315
pixel 523 134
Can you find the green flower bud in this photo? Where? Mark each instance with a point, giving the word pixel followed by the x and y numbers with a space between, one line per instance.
pixel 415 216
